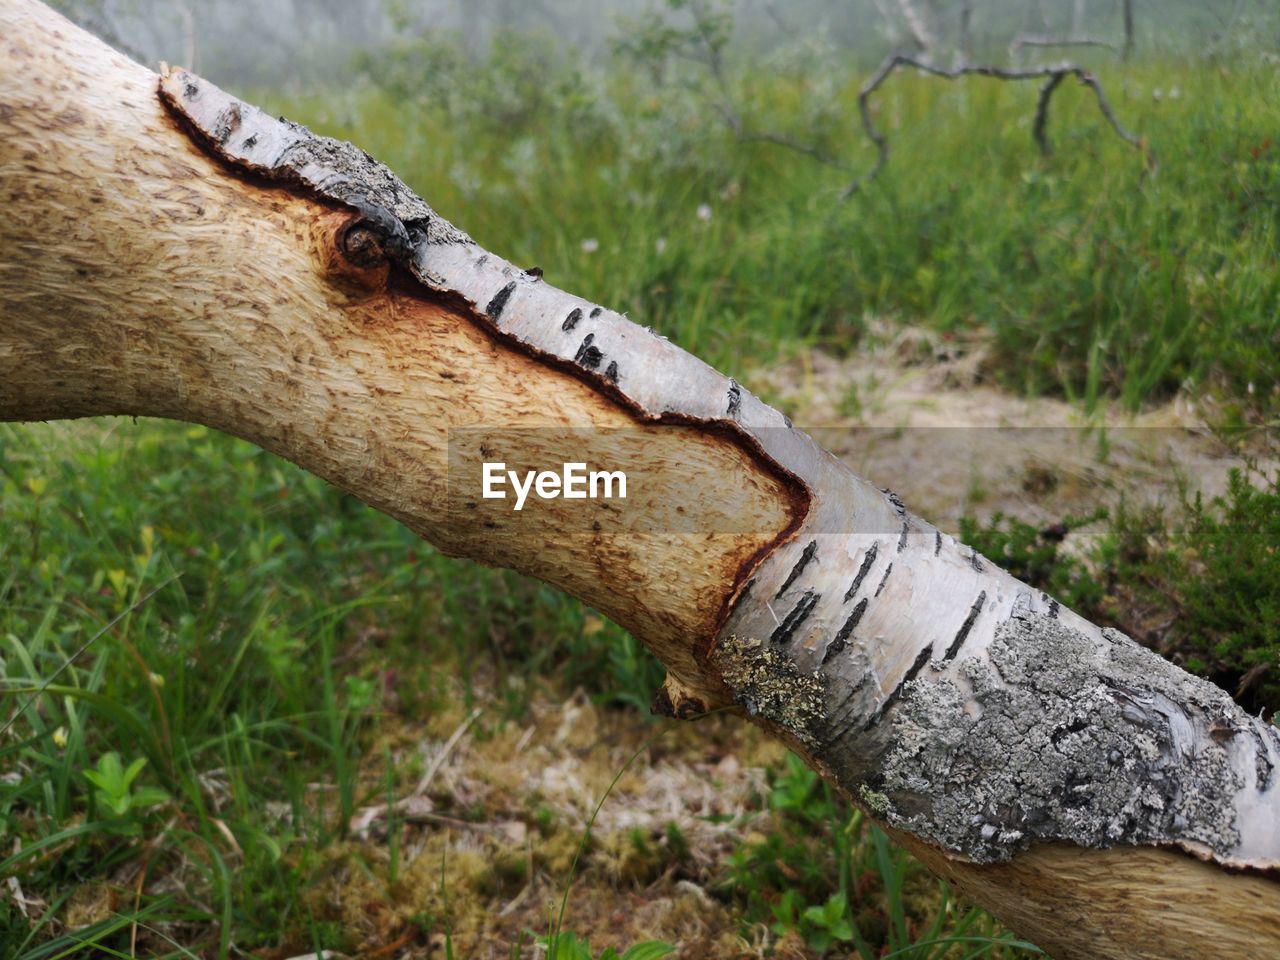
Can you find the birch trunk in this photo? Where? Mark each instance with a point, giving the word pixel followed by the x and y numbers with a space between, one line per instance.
pixel 170 251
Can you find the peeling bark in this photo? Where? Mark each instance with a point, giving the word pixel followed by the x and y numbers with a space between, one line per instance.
pixel 182 254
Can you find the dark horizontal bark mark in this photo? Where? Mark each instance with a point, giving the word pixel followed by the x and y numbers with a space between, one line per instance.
pixel 735 398
pixel 1052 604
pixel 842 637
pixel 899 507
pixel 499 302
pixel 922 658
pixel 791 622
pixel 902 540
pixel 963 633
pixel 809 553
pixel 588 355
pixel 883 580
pixel 868 559
pixel 572 319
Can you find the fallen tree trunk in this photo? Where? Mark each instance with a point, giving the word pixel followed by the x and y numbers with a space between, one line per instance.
pixel 170 251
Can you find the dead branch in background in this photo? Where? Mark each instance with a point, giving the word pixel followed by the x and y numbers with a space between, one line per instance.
pixel 1042 41
pixel 918 26
pixel 704 44
pixel 1051 74
pixel 1126 8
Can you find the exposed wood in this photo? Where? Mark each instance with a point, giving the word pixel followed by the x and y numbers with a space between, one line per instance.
pixel 142 279
pixel 1086 903
pixel 197 259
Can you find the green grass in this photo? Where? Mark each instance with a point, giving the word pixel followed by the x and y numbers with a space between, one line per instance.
pixel 1090 275
pixel 197 644
pixel 180 599
pixel 835 879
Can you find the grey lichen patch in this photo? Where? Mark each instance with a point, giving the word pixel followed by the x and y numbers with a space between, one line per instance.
pixel 1063 737
pixel 767 684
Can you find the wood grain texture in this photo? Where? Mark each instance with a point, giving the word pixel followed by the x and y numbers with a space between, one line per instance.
pixel 1130 903
pixel 141 278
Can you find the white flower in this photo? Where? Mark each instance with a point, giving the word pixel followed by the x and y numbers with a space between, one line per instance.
pixel 590 245
pixel 660 245
pixel 704 211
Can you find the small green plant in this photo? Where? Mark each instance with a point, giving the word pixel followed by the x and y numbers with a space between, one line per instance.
pixel 1035 556
pixel 116 792
pixel 828 925
pixel 569 946
pixel 823 926
pixel 827 874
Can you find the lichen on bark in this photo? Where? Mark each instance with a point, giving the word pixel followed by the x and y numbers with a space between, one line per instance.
pixel 768 686
pixel 1061 737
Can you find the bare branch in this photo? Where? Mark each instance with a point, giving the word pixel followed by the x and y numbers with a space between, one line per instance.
pixel 713 58
pixel 1042 40
pixel 781 140
pixel 1126 8
pixel 918 26
pixel 1051 74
